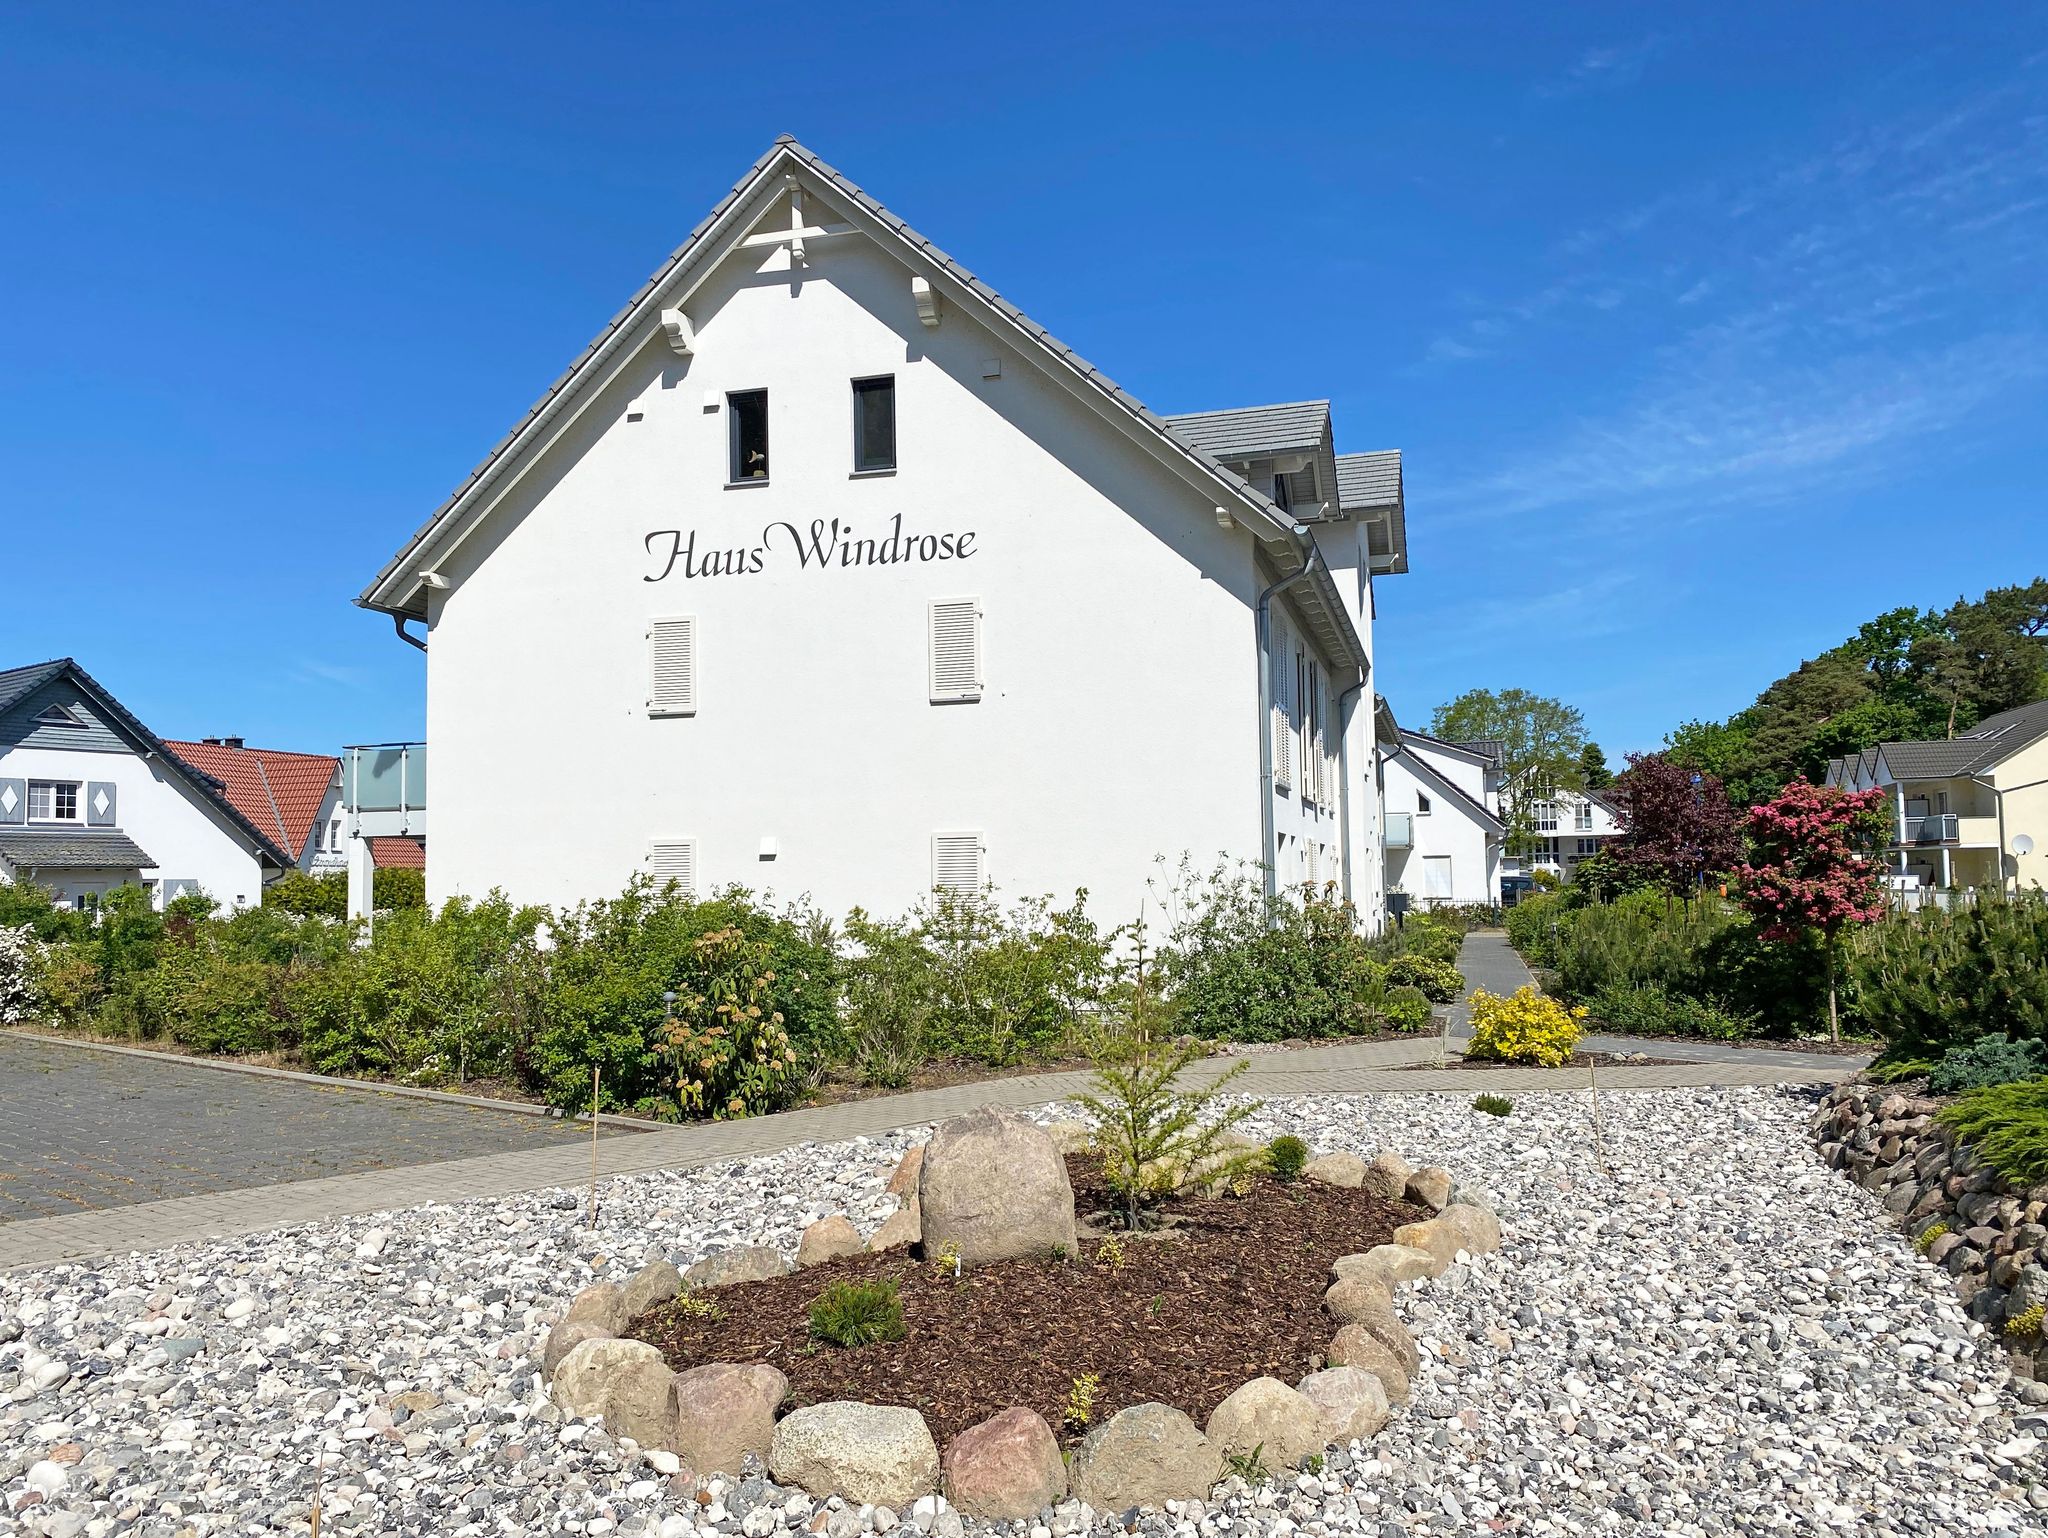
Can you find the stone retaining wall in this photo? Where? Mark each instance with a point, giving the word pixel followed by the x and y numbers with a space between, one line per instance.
pixel 1986 1232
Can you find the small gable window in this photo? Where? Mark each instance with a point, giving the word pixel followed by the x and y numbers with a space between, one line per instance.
pixel 59 715
pixel 748 442
pixel 1421 804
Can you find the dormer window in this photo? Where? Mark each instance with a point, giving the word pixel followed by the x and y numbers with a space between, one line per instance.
pixel 59 715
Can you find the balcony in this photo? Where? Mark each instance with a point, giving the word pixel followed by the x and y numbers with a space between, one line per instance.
pixel 1400 830
pixel 1938 829
pixel 384 789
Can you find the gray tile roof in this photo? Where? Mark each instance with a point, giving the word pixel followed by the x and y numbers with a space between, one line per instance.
pixel 19 683
pixel 1990 741
pixel 1254 432
pixel 1369 480
pixel 12 688
pixel 91 849
pixel 786 148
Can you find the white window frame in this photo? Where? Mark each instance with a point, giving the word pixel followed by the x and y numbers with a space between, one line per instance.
pixel 1422 804
pixel 1582 817
pixel 52 787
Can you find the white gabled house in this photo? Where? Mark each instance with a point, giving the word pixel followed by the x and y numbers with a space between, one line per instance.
pixel 1444 834
pixel 825 569
pixel 1566 826
pixel 91 799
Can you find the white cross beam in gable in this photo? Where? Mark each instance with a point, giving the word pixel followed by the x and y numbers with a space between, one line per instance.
pixel 798 231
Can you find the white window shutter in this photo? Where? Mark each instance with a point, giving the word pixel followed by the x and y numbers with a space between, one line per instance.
pixel 955 627
pixel 956 862
pixel 674 859
pixel 1283 693
pixel 672 666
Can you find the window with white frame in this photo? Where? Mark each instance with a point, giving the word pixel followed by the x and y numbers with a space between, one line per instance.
pixel 1582 817
pixel 53 800
pixel 1546 817
pixel 1421 804
pixel 1589 846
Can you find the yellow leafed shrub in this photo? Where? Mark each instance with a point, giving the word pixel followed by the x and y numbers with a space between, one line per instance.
pixel 1526 1027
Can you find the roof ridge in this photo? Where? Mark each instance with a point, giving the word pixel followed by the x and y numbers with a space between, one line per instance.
pixel 1225 411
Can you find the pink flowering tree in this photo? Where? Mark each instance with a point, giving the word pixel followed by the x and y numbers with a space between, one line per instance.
pixel 1814 869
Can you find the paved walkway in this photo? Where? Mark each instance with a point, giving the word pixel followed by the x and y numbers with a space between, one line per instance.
pixel 83 1129
pixel 1383 1067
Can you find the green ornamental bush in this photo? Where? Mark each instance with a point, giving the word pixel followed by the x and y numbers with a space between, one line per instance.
pixel 1439 981
pixel 1937 978
pixel 2008 1126
pixel 854 1314
pixel 1649 1009
pixel 1286 1157
pixel 1493 1105
pixel 1984 1063
pixel 1405 1009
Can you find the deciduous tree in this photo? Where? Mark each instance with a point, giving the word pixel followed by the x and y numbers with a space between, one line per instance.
pixel 1814 870
pixel 1677 824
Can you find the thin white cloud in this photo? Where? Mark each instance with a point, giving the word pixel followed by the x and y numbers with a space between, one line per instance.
pixel 1603 68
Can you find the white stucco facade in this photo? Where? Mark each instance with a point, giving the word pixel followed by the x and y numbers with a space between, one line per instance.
pixel 637 661
pixel 1443 848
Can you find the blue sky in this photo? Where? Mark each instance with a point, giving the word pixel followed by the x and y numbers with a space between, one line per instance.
pixel 1708 331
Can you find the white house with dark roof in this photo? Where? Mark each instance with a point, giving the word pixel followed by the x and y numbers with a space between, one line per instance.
pixel 1443 831
pixel 91 799
pixel 1967 811
pixel 826 570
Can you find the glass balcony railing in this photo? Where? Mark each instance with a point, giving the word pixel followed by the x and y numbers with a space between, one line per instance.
pixel 1400 833
pixel 384 777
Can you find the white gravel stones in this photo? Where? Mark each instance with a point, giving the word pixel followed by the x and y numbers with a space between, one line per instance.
pixel 1716 1336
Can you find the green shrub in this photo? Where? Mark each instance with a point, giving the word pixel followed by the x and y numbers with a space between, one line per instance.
pixel 1649 1009
pixel 1987 1062
pixel 23 903
pixel 1493 1105
pixel 887 1001
pixel 1405 1009
pixel 1440 982
pixel 1286 1157
pixel 1238 967
pixel 1531 924
pixel 323 896
pixel 2008 1126
pixel 857 1314
pixel 395 888
pixel 614 958
pixel 1938 977
pixel 1009 987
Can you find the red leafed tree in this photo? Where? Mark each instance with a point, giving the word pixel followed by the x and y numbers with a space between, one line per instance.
pixel 1677 826
pixel 1813 869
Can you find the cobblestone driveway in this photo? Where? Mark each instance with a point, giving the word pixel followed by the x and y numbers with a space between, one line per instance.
pixel 83 1130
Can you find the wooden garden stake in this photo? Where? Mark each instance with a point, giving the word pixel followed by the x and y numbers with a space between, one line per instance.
pixel 319 1473
pixel 1599 1142
pixel 594 1072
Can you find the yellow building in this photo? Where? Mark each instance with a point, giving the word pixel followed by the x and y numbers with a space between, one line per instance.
pixel 1967 811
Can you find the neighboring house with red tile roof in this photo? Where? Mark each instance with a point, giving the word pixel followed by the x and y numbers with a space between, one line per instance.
pixel 398 853
pixel 295 798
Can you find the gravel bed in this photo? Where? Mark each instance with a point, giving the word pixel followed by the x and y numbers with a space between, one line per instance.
pixel 1711 1335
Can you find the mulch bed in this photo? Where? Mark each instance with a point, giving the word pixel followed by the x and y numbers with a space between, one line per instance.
pixel 1233 1291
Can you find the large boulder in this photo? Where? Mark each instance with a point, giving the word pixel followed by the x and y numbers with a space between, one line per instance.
pixel 639 1402
pixel 748 1263
pixel 1351 1401
pixel 1356 1346
pixel 602 1304
pixel 1006 1468
pixel 1387 1264
pixel 656 1282
pixel 722 1412
pixel 1336 1169
pixel 585 1375
pixel 1387 1175
pixel 1367 1304
pixel 1265 1416
pixel 880 1455
pixel 566 1337
pixel 829 1239
pixel 1144 1456
pixel 1477 1228
pixel 1435 1238
pixel 994 1186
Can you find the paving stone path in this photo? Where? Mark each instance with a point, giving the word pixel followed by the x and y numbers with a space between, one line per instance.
pixel 82 1130
pixel 458 1153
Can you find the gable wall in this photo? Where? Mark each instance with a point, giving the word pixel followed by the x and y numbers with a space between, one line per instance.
pixel 19 727
pixel 1120 666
